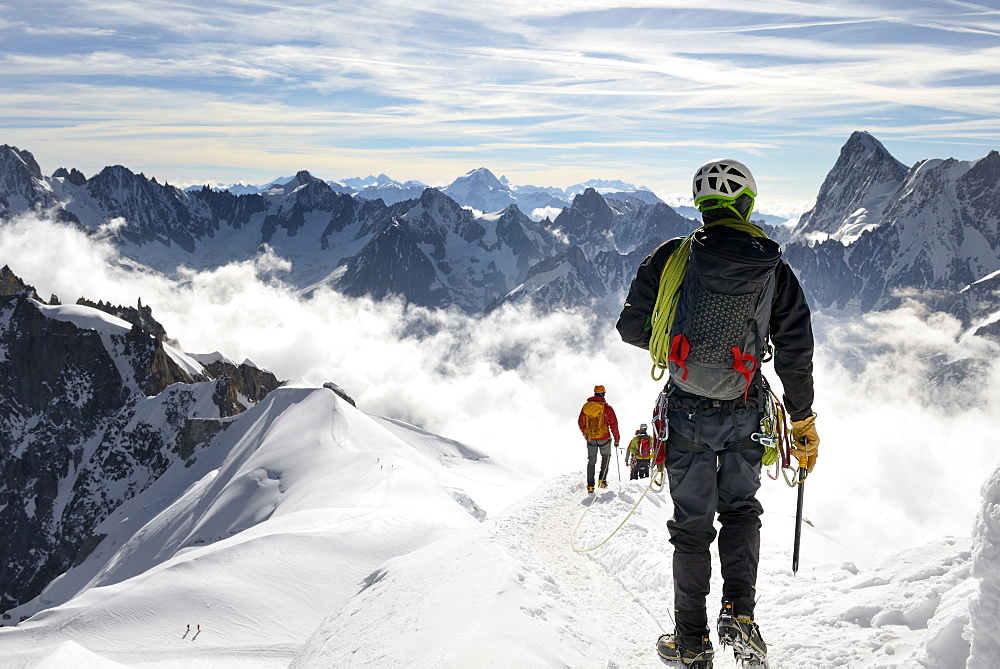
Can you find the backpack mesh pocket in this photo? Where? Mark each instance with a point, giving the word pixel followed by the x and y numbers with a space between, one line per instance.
pixel 718 323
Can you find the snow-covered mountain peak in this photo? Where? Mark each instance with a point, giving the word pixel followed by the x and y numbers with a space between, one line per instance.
pixel 855 192
pixel 481 190
pixel 302 178
pixel 271 527
pixel 21 184
pixel 481 175
pixel 10 153
pixel 862 143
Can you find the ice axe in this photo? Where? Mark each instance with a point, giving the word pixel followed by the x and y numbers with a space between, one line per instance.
pixel 801 483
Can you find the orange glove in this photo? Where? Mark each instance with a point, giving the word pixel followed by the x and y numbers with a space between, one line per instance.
pixel 806 441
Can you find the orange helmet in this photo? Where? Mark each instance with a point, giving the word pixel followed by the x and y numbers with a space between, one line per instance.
pixel 599 390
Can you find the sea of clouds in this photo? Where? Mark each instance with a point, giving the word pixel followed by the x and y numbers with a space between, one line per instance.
pixel 907 440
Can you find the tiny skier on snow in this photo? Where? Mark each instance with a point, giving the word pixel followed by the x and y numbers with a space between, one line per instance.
pixel 705 306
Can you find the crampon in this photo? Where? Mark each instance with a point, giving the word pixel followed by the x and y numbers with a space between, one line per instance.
pixel 742 635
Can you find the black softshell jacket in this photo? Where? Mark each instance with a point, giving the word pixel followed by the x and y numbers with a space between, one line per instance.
pixel 790 326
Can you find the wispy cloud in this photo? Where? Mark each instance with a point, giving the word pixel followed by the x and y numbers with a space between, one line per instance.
pixel 596 85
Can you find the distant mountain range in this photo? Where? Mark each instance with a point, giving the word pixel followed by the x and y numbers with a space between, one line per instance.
pixel 879 231
pixel 433 250
pixel 478 189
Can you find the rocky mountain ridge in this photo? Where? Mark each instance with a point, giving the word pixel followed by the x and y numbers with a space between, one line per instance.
pixel 930 233
pixel 430 250
pixel 878 233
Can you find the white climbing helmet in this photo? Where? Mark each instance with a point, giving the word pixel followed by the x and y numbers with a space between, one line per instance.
pixel 722 179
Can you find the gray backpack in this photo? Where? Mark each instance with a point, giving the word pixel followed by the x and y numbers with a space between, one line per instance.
pixel 719 332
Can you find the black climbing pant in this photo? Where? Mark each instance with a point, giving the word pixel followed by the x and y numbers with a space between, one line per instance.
pixel 713 468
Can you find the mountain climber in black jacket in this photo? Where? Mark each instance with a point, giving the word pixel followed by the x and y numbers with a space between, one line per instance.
pixel 712 464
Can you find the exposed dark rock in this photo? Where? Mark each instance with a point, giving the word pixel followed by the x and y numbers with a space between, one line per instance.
pixel 340 392
pixel 197 431
pixel 89 419
pixel 73 176
pixel 11 284
pixel 141 316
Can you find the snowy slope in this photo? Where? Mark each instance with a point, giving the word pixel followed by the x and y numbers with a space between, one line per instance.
pixel 271 529
pixel 510 591
pixel 514 593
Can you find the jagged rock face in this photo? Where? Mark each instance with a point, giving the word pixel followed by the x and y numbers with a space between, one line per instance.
pixel 392 263
pixel 637 224
pixel 587 222
pixel 239 383
pixel 153 213
pixel 227 209
pixel 977 192
pixel 430 250
pixel 73 176
pixel 855 191
pixel 22 187
pixel 88 419
pixel 934 236
pixel 10 283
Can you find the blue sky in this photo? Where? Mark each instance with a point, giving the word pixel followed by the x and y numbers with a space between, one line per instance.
pixel 545 92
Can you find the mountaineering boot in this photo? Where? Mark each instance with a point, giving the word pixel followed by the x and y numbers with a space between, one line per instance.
pixel 742 633
pixel 692 651
pixel 602 483
pixel 590 488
